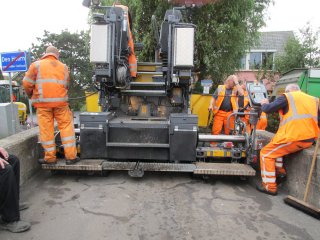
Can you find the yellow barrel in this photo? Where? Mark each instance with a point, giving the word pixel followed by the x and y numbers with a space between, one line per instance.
pixel 92 100
pixel 199 104
pixel 22 110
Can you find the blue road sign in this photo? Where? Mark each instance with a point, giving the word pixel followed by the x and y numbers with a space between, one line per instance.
pixel 14 62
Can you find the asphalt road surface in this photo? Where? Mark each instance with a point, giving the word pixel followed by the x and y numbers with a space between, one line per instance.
pixel 158 206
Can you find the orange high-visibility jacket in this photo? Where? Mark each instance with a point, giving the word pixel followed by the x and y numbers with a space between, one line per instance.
pixel 300 122
pixel 46 82
pixel 221 95
pixel 132 57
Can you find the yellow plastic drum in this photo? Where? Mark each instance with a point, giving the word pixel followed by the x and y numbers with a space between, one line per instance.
pixel 92 102
pixel 199 104
pixel 22 110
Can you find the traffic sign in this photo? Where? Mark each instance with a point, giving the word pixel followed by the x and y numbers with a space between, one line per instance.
pixel 14 62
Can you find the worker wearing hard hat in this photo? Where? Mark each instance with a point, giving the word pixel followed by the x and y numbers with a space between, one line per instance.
pixel 223 103
pixel 299 127
pixel 46 83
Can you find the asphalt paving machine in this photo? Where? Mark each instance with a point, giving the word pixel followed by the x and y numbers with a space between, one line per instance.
pixel 145 123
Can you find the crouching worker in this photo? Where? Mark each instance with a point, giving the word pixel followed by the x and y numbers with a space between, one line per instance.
pixel 9 194
pixel 298 129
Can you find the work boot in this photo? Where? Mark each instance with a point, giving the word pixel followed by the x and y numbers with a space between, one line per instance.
pixel 261 188
pixel 73 161
pixel 15 227
pixel 42 161
pixel 23 206
pixel 281 178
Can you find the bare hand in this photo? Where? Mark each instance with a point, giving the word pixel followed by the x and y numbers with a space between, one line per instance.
pixel 235 80
pixel 3 163
pixel 264 101
pixel 4 153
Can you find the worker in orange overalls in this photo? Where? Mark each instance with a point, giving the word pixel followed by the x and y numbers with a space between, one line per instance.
pixel 243 102
pixel 46 83
pixel 299 127
pixel 223 103
pixel 132 57
pixel 263 122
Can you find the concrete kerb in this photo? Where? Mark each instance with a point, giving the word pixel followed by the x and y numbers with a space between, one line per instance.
pixel 298 167
pixel 25 146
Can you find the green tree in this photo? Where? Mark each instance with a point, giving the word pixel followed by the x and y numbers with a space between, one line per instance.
pixel 294 56
pixel 1 75
pixel 300 52
pixel 74 52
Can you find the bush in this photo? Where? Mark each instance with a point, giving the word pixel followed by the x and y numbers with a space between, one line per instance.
pixel 273 122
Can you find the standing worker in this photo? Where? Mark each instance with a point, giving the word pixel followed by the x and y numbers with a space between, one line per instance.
pixel 224 103
pixel 46 84
pixel 299 127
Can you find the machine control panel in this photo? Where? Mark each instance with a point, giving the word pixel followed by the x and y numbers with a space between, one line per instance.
pixel 256 92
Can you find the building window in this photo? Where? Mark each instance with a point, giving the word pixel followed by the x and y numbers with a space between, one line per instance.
pixel 243 62
pixel 255 60
pixel 267 60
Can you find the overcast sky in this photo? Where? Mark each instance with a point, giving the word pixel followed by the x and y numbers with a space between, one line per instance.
pixel 22 21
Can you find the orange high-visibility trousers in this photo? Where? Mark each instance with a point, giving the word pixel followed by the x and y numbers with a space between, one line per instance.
pixel 220 121
pixel 270 156
pixel 64 118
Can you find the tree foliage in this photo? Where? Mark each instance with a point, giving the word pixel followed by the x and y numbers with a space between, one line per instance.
pixel 74 52
pixel 1 75
pixel 225 30
pixel 300 52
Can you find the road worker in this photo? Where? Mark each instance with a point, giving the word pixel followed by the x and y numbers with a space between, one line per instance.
pixel 46 84
pixel 263 122
pixel 9 194
pixel 223 103
pixel 243 102
pixel 298 129
pixel 132 57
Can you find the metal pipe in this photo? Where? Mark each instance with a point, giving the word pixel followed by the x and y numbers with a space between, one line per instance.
pixel 237 113
pixel 221 138
pixel 145 92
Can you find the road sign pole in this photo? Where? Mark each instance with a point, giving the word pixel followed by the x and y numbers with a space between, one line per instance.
pixel 13 119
